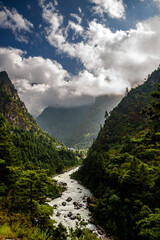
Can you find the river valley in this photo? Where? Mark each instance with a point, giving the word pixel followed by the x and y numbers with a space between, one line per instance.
pixel 71 208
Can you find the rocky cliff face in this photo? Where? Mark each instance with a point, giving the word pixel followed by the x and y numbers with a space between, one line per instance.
pixel 12 107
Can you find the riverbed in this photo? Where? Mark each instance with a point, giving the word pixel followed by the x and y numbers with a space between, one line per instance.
pixel 71 208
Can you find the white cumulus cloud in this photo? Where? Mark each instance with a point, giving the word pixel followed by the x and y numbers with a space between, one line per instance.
pixel 112 56
pixel 41 82
pixel 114 8
pixel 112 61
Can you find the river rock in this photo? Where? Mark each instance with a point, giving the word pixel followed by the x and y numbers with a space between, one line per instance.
pixel 58 214
pixel 100 230
pixel 77 205
pixel 70 214
pixel 73 217
pixel 62 184
pixel 64 203
pixel 69 199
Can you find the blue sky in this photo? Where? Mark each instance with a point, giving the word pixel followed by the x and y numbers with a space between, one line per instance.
pixel 67 52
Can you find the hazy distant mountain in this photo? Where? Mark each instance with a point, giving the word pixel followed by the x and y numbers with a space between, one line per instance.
pixel 62 122
pixel 88 129
pixel 76 126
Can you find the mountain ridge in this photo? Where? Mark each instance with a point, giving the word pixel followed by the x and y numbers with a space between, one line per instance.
pixel 33 144
pixel 59 121
pixel 128 112
pixel 122 166
pixel 12 107
pixel 77 126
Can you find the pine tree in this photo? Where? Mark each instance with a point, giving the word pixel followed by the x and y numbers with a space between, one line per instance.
pixel 8 157
pixel 153 110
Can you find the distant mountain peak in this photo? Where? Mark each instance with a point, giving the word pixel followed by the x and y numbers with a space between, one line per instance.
pixel 4 74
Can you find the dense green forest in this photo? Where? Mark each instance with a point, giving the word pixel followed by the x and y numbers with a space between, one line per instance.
pixel 24 192
pixel 24 189
pixel 32 143
pixel 122 167
pixel 28 156
pixel 40 149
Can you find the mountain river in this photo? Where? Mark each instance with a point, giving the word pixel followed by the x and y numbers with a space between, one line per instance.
pixel 71 208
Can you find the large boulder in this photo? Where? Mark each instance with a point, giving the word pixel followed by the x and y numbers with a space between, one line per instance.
pixel 70 214
pixel 69 199
pixel 58 214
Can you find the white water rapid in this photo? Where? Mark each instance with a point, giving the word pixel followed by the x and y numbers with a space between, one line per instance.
pixel 71 207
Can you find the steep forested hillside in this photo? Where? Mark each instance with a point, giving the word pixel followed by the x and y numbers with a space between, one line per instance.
pixel 26 155
pixel 33 145
pixel 24 192
pixel 87 131
pixel 12 107
pixel 77 126
pixel 126 119
pixel 122 167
